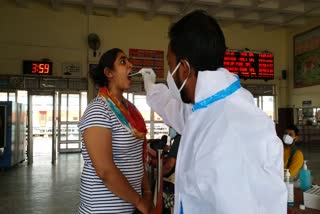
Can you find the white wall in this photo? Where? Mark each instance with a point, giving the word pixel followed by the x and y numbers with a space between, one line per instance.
pixel 38 32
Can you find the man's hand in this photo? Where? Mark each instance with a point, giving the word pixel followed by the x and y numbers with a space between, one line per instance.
pixel 149 78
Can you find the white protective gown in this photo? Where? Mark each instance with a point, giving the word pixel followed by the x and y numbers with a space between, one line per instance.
pixel 230 159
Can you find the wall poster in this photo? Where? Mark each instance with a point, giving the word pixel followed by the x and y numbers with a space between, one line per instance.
pixel 307 58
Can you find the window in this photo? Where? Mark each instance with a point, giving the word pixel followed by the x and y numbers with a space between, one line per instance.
pixel 264 98
pixel 155 126
pixel 267 104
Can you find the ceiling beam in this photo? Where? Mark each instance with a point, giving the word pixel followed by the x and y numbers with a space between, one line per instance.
pixel 56 5
pixel 308 7
pixel 186 6
pixel 262 16
pixel 88 5
pixel 287 3
pixel 122 7
pixel 254 3
pixel 22 3
pixel 220 6
pixel 154 5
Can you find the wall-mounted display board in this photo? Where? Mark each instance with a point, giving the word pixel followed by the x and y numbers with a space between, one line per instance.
pixel 249 64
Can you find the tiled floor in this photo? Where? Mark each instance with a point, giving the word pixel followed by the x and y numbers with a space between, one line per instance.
pixel 43 188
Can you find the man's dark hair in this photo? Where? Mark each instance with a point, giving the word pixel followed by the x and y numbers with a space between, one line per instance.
pixel 294 128
pixel 198 38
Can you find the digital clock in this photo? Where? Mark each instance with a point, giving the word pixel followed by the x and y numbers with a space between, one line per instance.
pixel 37 68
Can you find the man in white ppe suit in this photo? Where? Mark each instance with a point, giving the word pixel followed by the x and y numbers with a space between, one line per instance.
pixel 230 159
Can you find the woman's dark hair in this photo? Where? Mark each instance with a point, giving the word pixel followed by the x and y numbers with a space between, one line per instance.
pixel 106 61
pixel 198 38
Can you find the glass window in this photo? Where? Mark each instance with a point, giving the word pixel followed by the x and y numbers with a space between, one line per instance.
pixel 268 106
pixel 3 96
pixel 155 126
pixel 73 107
pixel 141 103
pixel 23 97
pixel 12 96
pixel 84 102
pixel 63 106
pixel 256 101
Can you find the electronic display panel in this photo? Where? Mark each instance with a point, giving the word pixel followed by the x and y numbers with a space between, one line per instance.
pixel 37 68
pixel 250 65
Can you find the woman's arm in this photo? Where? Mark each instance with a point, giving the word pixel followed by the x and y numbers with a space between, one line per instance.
pixel 147 194
pixel 98 141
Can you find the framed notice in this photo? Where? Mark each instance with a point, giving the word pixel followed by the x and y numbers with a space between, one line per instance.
pixel 307 58
pixel 71 70
pixel 148 59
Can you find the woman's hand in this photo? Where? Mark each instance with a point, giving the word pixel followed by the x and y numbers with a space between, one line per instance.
pixel 145 206
pixel 148 196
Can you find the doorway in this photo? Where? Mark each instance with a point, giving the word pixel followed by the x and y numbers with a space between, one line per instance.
pixel 71 107
pixel 42 143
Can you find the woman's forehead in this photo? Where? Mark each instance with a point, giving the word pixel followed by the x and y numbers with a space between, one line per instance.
pixel 121 54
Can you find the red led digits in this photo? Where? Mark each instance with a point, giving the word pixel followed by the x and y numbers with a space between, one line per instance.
pixel 34 68
pixel 46 68
pixel 248 65
pixel 31 67
pixel 40 68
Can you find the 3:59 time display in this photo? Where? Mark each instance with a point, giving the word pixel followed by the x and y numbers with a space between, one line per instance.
pixel 37 67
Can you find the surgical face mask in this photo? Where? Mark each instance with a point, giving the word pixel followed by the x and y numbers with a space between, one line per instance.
pixel 287 139
pixel 172 85
pixel 172 133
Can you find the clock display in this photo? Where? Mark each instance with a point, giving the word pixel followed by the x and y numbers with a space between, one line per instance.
pixel 37 68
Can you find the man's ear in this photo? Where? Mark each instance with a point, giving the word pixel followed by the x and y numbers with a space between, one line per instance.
pixel 107 72
pixel 185 67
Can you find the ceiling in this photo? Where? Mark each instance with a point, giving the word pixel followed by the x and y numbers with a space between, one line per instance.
pixel 269 13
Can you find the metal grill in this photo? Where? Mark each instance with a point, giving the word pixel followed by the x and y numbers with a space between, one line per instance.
pixel 52 83
pixel 78 84
pixel 31 83
pixel 261 90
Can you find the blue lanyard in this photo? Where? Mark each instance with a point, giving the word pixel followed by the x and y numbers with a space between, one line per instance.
pixel 217 96
pixel 181 208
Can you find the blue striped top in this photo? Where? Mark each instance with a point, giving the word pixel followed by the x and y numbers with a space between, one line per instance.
pixel 127 150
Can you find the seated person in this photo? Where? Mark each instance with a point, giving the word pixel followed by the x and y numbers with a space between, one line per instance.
pixel 156 144
pixel 169 166
pixel 168 170
pixel 293 157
